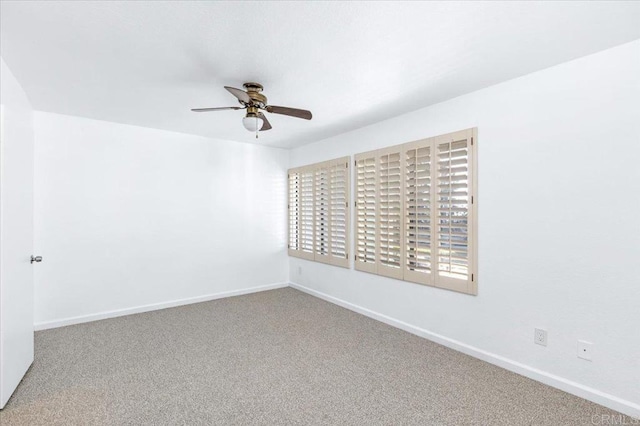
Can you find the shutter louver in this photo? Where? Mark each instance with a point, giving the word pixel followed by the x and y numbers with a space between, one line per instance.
pixel 366 206
pixel 418 244
pixel 390 214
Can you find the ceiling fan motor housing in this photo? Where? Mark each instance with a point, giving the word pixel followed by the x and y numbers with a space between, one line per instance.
pixel 253 90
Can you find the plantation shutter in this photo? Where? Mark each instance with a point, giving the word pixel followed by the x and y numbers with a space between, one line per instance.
pixel 339 211
pixel 366 207
pixel 294 212
pixel 319 212
pixel 307 213
pixel 417 212
pixel 321 182
pixel 390 250
pixel 454 213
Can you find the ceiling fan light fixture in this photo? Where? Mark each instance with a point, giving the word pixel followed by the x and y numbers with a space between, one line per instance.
pixel 252 122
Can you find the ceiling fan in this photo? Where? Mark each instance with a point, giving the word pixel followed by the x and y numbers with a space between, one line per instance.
pixel 254 101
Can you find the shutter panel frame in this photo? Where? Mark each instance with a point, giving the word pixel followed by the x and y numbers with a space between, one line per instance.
pixel 443 279
pixel 366 212
pixel 321 222
pixel 418 183
pixel 339 211
pixel 307 215
pixel 293 212
pixel 390 212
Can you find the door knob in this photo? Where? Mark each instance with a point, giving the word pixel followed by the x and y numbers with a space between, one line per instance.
pixel 36 258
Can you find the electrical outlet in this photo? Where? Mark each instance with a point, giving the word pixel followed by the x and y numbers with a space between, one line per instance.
pixel 540 337
pixel 585 350
pixel 299 270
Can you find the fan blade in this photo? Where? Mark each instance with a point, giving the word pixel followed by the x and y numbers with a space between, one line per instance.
pixel 265 125
pixel 300 113
pixel 214 109
pixel 240 94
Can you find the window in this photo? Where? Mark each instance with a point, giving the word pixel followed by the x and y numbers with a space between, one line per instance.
pixel 319 212
pixel 416 212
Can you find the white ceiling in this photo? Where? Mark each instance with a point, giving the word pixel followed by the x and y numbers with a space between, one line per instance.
pixel 350 63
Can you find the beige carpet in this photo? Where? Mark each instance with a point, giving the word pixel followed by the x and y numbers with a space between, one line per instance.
pixel 276 357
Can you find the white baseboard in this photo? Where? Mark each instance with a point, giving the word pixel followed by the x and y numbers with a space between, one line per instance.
pixel 626 407
pixel 153 307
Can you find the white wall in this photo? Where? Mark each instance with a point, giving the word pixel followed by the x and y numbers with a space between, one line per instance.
pixel 128 216
pixel 559 236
